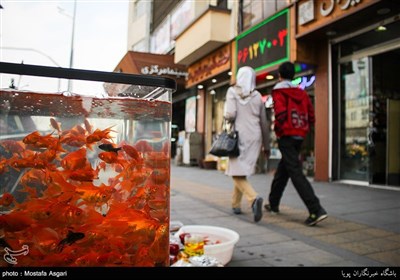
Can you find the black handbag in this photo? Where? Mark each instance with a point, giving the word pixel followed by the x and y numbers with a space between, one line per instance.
pixel 227 142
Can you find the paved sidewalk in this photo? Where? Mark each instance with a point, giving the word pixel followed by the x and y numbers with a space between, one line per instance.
pixel 362 230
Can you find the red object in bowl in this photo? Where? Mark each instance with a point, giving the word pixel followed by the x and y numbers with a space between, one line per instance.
pixel 182 237
pixel 173 249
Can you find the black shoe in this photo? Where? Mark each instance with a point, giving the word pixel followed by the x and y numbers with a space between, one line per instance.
pixel 237 211
pixel 316 218
pixel 257 208
pixel 273 210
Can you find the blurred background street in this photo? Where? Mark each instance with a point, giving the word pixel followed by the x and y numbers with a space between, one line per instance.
pixel 363 227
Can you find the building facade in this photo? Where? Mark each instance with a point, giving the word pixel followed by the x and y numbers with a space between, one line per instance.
pixel 354 45
pixel 345 54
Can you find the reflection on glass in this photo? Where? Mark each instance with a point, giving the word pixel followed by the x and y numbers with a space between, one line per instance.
pixel 355 119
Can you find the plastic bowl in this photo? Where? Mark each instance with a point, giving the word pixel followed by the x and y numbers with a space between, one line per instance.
pixel 223 251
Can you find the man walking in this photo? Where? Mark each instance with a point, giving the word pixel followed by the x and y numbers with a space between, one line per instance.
pixel 294 113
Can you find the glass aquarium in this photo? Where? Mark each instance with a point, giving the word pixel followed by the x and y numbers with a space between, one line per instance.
pixel 85 180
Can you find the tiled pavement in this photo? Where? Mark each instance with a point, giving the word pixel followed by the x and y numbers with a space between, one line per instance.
pixel 362 230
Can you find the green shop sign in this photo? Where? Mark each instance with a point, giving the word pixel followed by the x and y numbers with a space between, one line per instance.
pixel 265 44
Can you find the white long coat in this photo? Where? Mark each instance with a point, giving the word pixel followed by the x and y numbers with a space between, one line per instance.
pixel 251 122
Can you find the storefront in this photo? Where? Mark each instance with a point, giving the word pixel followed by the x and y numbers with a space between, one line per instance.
pixel 368 113
pixel 356 66
pixel 264 47
pixel 209 78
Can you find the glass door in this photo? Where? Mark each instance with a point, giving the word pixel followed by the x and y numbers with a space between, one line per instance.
pixel 366 107
pixel 354 118
pixel 384 136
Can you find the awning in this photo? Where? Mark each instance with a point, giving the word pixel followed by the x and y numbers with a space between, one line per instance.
pixel 161 65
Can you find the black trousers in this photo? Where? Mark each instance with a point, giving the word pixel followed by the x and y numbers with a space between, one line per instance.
pixel 290 167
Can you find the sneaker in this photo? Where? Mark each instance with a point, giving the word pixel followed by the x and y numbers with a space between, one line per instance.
pixel 316 218
pixel 257 208
pixel 272 210
pixel 237 211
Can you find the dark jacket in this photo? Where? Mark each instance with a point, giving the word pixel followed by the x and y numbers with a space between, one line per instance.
pixel 294 112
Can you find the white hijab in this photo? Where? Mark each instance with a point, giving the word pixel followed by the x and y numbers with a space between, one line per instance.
pixel 245 83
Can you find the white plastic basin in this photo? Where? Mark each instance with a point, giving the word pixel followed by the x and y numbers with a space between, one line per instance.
pixel 222 251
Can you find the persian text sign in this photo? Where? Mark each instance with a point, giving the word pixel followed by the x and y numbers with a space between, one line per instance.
pixel 265 44
pixel 315 14
pixel 211 65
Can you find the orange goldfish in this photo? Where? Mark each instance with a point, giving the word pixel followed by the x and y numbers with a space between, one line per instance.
pixel 96 195
pixel 160 175
pixel 15 221
pixel 111 157
pixel 13 146
pixel 56 125
pixel 3 166
pixel 98 135
pixel 75 160
pixel 75 141
pixel 89 259
pixel 45 239
pixel 33 177
pixel 157 160
pixel 69 214
pixel 88 126
pixel 132 152
pixel 36 139
pixel 87 174
pixel 6 199
pixel 143 146
pixel 109 258
pixel 33 161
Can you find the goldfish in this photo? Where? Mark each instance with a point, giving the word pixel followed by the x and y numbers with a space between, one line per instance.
pixel 3 165
pixel 69 214
pixel 158 204
pixel 15 221
pixel 56 125
pixel 160 246
pixel 6 199
pixel 98 135
pixel 157 160
pixel 87 174
pixel 75 160
pixel 111 157
pixel 32 192
pixel 13 146
pixel 68 218
pixel 132 152
pixel 49 155
pixel 95 195
pixel 88 126
pixel 89 259
pixel 45 239
pixel 160 175
pixel 110 257
pixel 33 161
pixel 74 140
pixel 39 141
pixel 143 146
pixel 34 137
